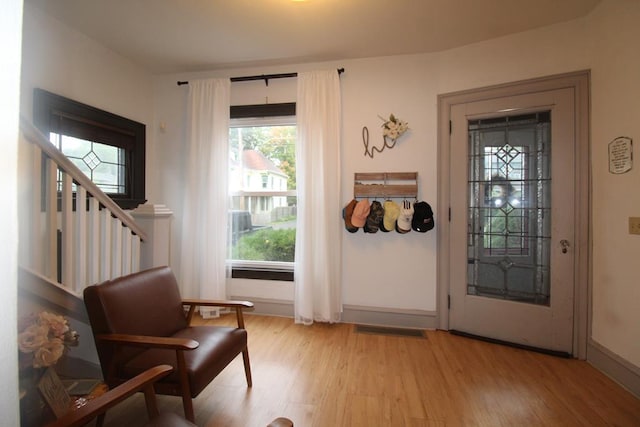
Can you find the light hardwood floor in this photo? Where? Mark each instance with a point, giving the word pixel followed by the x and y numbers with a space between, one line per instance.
pixel 330 375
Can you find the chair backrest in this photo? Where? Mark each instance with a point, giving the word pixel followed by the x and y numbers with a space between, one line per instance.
pixel 143 303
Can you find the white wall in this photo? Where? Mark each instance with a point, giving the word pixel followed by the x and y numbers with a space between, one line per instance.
pixel 399 271
pixel 63 61
pixel 615 90
pixel 10 33
pixel 369 90
pixel 389 270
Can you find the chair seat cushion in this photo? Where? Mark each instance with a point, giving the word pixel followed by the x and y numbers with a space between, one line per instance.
pixel 218 346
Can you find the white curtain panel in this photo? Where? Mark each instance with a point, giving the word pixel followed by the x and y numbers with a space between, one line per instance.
pixel 318 289
pixel 203 270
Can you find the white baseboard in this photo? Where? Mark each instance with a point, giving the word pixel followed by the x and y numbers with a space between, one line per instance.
pixel 392 317
pixel 378 316
pixel 615 367
pixel 269 307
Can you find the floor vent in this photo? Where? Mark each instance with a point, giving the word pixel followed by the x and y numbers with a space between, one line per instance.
pixel 398 332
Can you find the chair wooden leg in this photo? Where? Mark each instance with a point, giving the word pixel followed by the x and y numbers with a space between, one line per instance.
pixel 187 402
pixel 247 366
pixel 151 401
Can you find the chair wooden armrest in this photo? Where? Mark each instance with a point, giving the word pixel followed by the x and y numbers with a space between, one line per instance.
pixel 99 405
pixel 180 345
pixel 217 303
pixel 147 341
pixel 237 305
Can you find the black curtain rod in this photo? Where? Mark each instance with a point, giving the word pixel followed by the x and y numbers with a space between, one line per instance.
pixel 265 77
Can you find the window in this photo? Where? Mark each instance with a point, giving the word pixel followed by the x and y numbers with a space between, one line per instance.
pixel 509 190
pixel 506 223
pixel 508 153
pixel 262 185
pixel 108 148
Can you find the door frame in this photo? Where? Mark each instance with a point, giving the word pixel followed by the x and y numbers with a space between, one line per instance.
pixel 580 82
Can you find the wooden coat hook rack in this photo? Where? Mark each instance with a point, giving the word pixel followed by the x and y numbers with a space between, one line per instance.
pixel 386 184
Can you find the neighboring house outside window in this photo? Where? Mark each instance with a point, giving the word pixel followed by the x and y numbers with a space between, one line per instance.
pixel 262 175
pixel 254 163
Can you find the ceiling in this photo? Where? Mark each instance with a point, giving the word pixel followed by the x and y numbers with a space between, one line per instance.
pixel 193 35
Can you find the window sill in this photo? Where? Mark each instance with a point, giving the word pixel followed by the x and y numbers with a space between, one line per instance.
pixel 246 273
pixel 262 270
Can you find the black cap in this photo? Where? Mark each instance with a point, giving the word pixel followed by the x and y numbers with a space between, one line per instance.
pixel 422 217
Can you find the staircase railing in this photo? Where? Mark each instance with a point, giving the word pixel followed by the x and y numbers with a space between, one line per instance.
pixel 79 236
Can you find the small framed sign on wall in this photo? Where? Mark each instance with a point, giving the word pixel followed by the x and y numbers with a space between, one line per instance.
pixel 54 393
pixel 621 155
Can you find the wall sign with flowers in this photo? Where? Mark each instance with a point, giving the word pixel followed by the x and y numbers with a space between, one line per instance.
pixel 42 340
pixel 392 129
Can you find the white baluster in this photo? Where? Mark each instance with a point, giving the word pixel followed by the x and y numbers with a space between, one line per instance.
pixel 105 245
pixel 81 239
pixel 126 250
pixel 51 220
pixel 116 247
pixel 135 253
pixel 31 255
pixel 93 242
pixel 67 232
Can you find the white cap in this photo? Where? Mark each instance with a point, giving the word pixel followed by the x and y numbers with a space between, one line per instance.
pixel 404 219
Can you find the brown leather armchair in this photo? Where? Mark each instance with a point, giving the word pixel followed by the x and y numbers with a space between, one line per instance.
pixel 140 321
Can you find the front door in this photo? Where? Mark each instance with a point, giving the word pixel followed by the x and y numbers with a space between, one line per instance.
pixel 512 174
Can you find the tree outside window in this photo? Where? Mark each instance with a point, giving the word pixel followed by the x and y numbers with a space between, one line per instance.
pixel 262 186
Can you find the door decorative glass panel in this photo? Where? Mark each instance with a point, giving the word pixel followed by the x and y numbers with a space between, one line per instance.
pixel 509 208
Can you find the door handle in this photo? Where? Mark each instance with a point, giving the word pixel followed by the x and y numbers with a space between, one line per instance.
pixel 565 245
